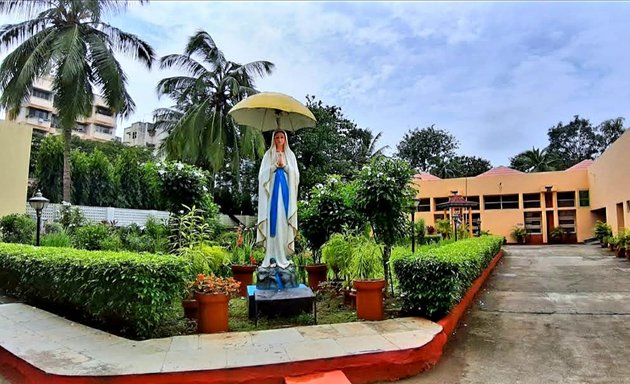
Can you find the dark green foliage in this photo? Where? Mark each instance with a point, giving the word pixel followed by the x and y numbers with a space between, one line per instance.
pixel 128 293
pixel 36 143
pixel 425 148
pixel 436 278
pixel 56 239
pixel 16 228
pixel 182 185
pixel 129 178
pixel 81 179
pixel 101 183
pixel 90 236
pixel 49 167
pixel 460 166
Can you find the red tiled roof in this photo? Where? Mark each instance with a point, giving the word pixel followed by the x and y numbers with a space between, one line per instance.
pixel 584 164
pixel 425 176
pixel 500 170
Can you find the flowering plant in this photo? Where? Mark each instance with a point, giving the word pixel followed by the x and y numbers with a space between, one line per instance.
pixel 243 247
pixel 215 285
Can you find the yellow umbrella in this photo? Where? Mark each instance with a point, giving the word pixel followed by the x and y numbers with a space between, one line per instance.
pixel 269 111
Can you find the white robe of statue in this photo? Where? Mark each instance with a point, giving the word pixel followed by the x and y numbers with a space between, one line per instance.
pixel 282 245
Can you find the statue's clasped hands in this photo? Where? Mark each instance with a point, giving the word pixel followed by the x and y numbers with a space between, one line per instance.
pixel 280 162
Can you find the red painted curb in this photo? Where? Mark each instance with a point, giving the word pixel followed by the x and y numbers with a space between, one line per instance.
pixel 360 369
pixel 450 321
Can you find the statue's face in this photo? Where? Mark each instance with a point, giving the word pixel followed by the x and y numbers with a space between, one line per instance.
pixel 279 139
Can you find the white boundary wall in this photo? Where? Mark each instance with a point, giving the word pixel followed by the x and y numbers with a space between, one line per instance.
pixel 123 216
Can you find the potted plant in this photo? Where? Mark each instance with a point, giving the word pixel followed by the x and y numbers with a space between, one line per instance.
pixel 337 252
pixel 612 243
pixel 556 235
pixel 622 243
pixel 601 231
pixel 368 279
pixel 519 234
pixel 213 294
pixel 243 260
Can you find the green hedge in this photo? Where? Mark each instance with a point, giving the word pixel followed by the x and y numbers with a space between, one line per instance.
pixel 134 294
pixel 434 279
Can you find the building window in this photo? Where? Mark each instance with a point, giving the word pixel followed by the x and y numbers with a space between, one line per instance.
pixel 36 113
pixel 104 111
pixel 566 220
pixel 41 94
pixel 424 205
pixel 474 199
pixel 103 129
pixel 565 199
pixel 500 201
pixel 134 135
pixel 81 127
pixel 54 122
pixel 439 200
pixel 531 200
pixel 585 200
pixel 533 222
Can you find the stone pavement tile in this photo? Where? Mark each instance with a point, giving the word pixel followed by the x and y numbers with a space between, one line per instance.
pixel 22 312
pixel 227 340
pixel 419 323
pixel 410 339
pixel 184 343
pixel 87 342
pixel 276 336
pixel 365 344
pixel 47 324
pixel 354 329
pixel 313 349
pixel 24 344
pixel 129 358
pixel 253 356
pixel 387 326
pixel 195 360
pixel 161 345
pixel 318 332
pixel 60 361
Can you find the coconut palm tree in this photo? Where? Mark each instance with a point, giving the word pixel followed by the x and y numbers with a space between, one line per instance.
pixel 534 160
pixel 68 40
pixel 200 130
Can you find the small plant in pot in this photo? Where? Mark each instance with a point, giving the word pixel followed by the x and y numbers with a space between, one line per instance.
pixel 556 235
pixel 243 260
pixel 366 270
pixel 601 231
pixel 519 234
pixel 213 294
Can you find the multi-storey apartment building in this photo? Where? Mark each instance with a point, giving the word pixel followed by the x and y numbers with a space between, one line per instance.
pixel 38 112
pixel 503 198
pixel 143 134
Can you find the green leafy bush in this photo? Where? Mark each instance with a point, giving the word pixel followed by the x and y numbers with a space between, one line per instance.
pixel 435 278
pixel 121 290
pixel 56 239
pixel 90 236
pixel 17 228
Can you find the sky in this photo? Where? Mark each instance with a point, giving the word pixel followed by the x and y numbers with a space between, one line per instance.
pixel 496 75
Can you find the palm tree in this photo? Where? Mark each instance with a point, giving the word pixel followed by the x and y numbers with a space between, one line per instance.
pixel 371 151
pixel 67 40
pixel 534 160
pixel 200 130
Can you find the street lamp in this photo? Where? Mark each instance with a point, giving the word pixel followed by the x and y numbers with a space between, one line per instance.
pixel 38 202
pixel 414 208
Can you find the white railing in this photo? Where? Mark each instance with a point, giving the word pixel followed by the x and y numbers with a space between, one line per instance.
pixel 123 216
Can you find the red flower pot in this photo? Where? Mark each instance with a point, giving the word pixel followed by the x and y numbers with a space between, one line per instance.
pixel 316 274
pixel 213 312
pixel 369 299
pixel 244 274
pixel 190 308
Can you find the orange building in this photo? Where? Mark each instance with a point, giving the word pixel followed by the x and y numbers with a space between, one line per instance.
pixel 572 199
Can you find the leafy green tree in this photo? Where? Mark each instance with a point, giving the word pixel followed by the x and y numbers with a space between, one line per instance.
pixel 425 148
pixel 36 142
pixel 101 182
pixel 81 178
pixel 335 146
pixel 534 160
pixel 200 130
pixel 68 40
pixel 128 173
pixel 579 140
pixel 460 166
pixel 49 167
pixel 384 196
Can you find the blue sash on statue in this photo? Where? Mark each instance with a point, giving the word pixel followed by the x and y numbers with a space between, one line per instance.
pixel 280 181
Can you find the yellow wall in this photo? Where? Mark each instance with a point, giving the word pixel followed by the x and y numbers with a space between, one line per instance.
pixel 501 221
pixel 609 178
pixel 15 151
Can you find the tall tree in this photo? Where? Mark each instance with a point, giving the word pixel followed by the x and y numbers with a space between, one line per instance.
pixel 534 160
pixel 200 130
pixel 427 148
pixel 460 166
pixel 609 131
pixel 335 146
pixel 68 40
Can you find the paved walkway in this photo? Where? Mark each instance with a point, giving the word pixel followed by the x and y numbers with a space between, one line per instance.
pixel 548 314
pixel 58 346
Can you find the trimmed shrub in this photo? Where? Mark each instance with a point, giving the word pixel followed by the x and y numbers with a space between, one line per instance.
pixel 132 294
pixel 435 278
pixel 56 239
pixel 17 228
pixel 90 236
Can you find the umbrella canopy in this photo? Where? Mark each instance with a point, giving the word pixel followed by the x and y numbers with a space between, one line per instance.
pixel 269 111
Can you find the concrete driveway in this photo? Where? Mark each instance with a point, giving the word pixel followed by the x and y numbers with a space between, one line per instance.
pixel 548 314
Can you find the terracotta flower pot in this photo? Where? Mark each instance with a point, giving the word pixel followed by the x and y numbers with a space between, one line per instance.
pixel 316 274
pixel 190 308
pixel 244 274
pixel 621 252
pixel 369 299
pixel 213 312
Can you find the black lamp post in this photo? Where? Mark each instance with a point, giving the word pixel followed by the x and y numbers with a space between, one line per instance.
pixel 38 202
pixel 414 208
